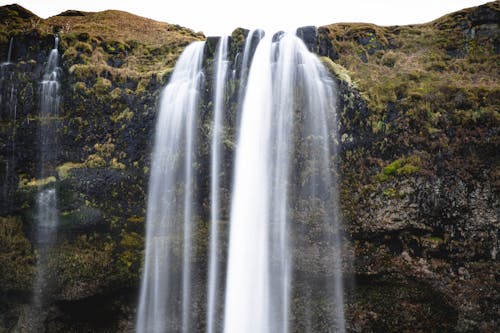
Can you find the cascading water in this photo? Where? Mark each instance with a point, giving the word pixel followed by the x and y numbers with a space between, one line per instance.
pixel 252 39
pixel 8 112
pixel 282 164
pixel 221 71
pixel 46 201
pixel 9 54
pixel 283 190
pixel 247 293
pixel 165 289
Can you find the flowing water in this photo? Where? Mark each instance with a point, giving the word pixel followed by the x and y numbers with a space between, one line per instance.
pixel 46 201
pixel 283 195
pixel 165 289
pixel 8 112
pixel 221 72
pixel 46 213
pixel 9 54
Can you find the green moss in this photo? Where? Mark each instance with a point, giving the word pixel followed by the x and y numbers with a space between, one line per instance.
pixel 80 88
pixel 381 177
pixel 16 258
pixel 116 93
pixel 114 164
pixel 400 167
pixel 136 219
pixel 64 169
pixel 103 156
pixel 434 239
pixel 132 244
pixel 132 240
pixel 24 183
pixel 121 116
pixel 142 86
pixel 95 161
pixel 83 47
pixel 102 86
pixel 338 70
pixel 84 260
pixel 114 47
pixel 392 168
pixel 390 192
pixel 70 53
pixel 408 169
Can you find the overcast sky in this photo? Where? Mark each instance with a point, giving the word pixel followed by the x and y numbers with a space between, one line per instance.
pixel 217 17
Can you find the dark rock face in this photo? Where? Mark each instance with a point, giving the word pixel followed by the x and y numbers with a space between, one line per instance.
pixel 309 36
pixel 419 196
pixel 325 46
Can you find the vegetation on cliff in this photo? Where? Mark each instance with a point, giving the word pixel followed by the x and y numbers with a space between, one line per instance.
pixel 419 134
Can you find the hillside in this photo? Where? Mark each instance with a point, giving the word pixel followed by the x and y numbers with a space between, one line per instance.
pixel 419 124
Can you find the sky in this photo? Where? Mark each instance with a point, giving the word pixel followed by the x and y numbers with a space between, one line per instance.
pixel 219 17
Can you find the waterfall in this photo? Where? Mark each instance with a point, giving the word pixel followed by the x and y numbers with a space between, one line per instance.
pixel 8 112
pixel 46 213
pixel 165 289
pixel 221 71
pixel 287 106
pixel 46 200
pixel 247 294
pixel 9 54
pixel 283 203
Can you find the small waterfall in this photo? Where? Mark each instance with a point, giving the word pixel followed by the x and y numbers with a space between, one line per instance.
pixel 8 112
pixel 165 296
pixel 9 54
pixel 46 200
pixel 221 72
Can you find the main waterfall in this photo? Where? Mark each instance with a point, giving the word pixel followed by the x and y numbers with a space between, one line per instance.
pixel 273 126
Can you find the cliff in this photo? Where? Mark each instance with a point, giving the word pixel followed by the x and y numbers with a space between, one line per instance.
pixel 419 161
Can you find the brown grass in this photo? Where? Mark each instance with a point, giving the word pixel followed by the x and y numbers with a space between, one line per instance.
pixel 123 27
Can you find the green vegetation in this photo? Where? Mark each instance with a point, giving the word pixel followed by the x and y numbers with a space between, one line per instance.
pixel 16 259
pixel 400 167
pixel 27 183
pixel 429 68
pixel 119 43
pixel 64 169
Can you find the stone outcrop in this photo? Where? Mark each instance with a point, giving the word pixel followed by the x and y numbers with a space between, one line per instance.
pixel 419 133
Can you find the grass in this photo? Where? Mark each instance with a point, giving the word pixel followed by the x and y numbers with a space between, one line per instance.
pixel 104 43
pixel 410 65
pixel 120 43
pixel 122 27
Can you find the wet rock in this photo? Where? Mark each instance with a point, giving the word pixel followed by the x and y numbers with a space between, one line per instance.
pixel 309 36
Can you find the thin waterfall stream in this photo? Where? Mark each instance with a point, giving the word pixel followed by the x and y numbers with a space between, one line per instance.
pixel 222 67
pixel 46 200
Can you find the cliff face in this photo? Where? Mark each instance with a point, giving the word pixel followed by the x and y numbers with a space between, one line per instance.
pixel 420 179
pixel 420 195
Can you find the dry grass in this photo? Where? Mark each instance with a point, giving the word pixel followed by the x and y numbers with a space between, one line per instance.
pixel 123 27
pixel 412 63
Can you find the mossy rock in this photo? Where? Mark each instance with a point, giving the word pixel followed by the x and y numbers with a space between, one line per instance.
pixel 16 257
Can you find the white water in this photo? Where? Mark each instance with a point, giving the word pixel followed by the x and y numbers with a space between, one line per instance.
pixel 46 218
pixel 8 112
pixel 283 189
pixel 166 283
pixel 288 100
pixel 46 201
pixel 221 71
pixel 10 49
pixel 247 285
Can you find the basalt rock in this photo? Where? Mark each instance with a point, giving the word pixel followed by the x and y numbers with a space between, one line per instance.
pixel 418 131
